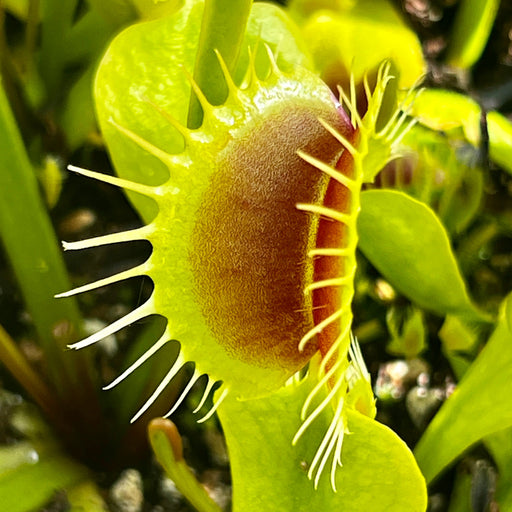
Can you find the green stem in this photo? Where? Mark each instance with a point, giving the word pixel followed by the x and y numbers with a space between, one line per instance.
pixel 222 29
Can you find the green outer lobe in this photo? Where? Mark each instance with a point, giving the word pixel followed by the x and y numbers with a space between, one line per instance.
pixel 183 240
pixel 379 473
pixel 479 406
pixel 406 242
pixel 250 242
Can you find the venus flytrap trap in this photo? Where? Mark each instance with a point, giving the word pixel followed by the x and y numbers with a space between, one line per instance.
pixel 254 242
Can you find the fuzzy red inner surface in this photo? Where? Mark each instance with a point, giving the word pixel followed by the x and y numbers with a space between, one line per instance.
pixel 332 234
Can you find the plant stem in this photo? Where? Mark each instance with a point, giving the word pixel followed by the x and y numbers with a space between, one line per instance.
pixel 222 29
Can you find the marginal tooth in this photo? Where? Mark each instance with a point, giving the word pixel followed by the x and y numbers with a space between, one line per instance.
pixel 340 340
pixel 329 251
pixel 184 393
pixel 321 383
pixel 215 406
pixel 165 338
pixel 203 101
pixel 183 130
pixel 318 328
pixel 272 59
pixel 206 392
pixel 121 276
pixel 166 158
pixel 330 171
pixel 225 72
pixel 330 213
pixel 146 309
pixel 326 445
pixel 176 367
pixel 132 235
pixel 341 139
pixel 355 118
pixel 326 283
pixel 353 101
pixel 118 182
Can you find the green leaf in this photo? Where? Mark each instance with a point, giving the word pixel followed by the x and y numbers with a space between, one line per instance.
pixel 406 242
pixel 479 407
pixel 378 473
pixel 471 31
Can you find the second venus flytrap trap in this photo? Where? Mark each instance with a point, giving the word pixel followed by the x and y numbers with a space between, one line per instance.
pixel 254 243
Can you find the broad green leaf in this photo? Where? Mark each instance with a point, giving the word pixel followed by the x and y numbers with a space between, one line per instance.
pixel 479 407
pixel 470 32
pixel 406 242
pixel 378 473
pixel 355 37
pixel 144 71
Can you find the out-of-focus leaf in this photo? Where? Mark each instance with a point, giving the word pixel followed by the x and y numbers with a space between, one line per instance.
pixel 470 32
pixel 85 497
pixel 378 473
pixel 355 37
pixel 406 242
pixel 479 407
pixel 444 110
pixel 29 486
pixel 407 333
pixel 449 111
pixel 500 140
pixel 499 445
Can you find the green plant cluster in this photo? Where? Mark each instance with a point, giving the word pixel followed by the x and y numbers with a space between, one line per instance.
pixel 434 232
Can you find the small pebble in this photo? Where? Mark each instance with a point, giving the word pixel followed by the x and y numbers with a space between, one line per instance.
pixel 126 494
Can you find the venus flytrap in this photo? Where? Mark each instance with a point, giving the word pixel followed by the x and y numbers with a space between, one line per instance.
pixel 254 242
pixel 254 251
